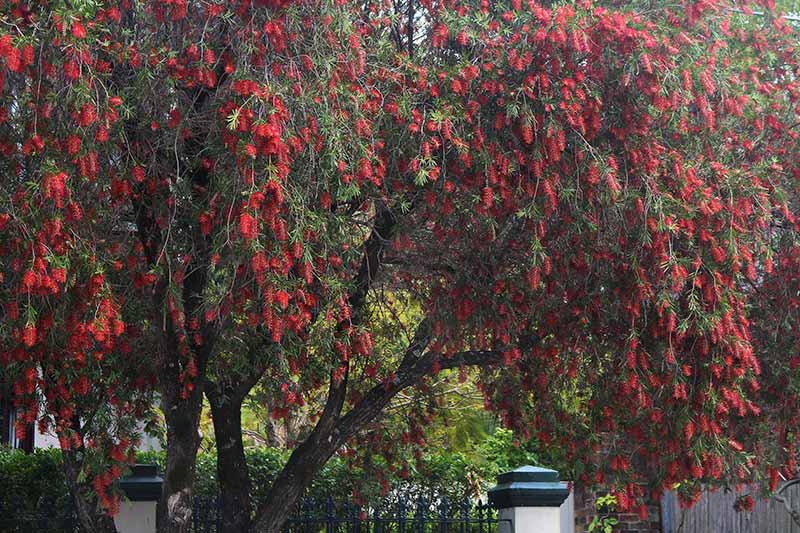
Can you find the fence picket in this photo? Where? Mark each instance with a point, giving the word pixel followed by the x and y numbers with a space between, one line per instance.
pixel 714 513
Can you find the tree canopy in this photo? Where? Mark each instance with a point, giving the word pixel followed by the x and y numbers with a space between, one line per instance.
pixel 594 203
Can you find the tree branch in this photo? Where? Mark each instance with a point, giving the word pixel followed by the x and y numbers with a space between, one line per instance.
pixel 778 496
pixel 415 365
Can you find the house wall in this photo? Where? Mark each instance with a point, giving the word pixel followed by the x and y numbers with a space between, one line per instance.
pixel 49 440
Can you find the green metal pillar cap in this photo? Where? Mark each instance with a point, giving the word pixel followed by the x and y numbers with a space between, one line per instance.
pixel 143 485
pixel 528 486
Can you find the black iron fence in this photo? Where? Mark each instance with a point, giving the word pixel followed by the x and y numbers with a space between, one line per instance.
pixel 311 516
pixel 53 515
pixel 343 516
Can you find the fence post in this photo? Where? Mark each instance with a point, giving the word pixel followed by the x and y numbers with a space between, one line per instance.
pixel 528 500
pixel 137 514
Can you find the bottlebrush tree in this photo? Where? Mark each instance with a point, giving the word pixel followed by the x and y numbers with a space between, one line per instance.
pixel 592 202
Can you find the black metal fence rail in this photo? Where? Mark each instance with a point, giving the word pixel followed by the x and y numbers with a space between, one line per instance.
pixel 421 516
pixel 311 516
pixel 344 516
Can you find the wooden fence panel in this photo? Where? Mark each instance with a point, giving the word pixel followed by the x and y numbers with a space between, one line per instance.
pixel 714 513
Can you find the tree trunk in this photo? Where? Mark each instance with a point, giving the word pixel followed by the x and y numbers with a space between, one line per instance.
pixel 296 476
pixel 182 420
pixel 90 518
pixel 232 473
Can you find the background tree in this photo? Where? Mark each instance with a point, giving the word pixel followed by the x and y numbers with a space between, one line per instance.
pixel 581 199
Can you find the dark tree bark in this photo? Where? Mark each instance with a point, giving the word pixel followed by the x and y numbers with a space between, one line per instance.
pixel 306 460
pixel 84 499
pixel 232 473
pixel 183 440
pixel 182 410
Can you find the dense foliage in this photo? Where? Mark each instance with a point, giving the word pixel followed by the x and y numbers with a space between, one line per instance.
pixel 594 202
pixel 455 475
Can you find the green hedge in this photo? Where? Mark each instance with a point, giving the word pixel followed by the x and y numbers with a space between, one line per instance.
pixel 29 484
pixel 441 473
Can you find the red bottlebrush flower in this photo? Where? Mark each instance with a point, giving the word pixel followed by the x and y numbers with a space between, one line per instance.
pixel 613 184
pixel 87 115
pixel 248 226
pixel 527 133
pixel 280 230
pixel 647 63
pixel 642 512
pixel 6 45
pixel 364 168
pixel 718 253
pixel 308 272
pixel 251 151
pixel 487 197
pixel 744 503
pixel 594 174
pixel 28 280
pixel 688 431
pixel 27 55
pixel 534 278
pixel 297 249
pixel 78 31
pixel 115 101
pixel 174 118
pixel 73 144
pixel 206 223
pixel 191 368
pixel 138 174
pixel 325 200
pixel 14 60
pixel 29 335
pixel 282 298
pixel 102 134
pixel 118 453
pixel 82 386
pixel 773 479
pixel 72 70
pixel 277 330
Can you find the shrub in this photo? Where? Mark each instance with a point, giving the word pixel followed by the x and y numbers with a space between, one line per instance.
pixel 439 473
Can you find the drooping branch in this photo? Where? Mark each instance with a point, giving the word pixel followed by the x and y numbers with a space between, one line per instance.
pixel 382 232
pixel 778 496
pixel 416 365
pixel 325 438
pixel 374 247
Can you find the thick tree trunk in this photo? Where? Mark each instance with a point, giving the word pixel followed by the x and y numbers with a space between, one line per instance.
pixel 175 507
pixel 90 518
pixel 296 476
pixel 232 473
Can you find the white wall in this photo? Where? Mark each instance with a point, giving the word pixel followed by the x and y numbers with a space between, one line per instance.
pixel 49 440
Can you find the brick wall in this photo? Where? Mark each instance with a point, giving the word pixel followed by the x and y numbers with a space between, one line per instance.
pixel 585 510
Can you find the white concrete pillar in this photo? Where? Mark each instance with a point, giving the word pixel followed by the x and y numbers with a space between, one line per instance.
pixel 137 513
pixel 529 500
pixel 136 517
